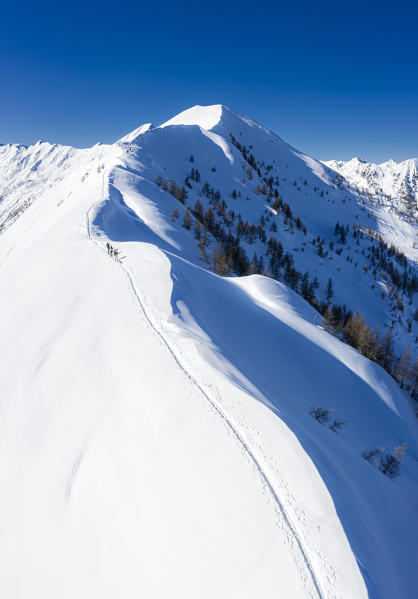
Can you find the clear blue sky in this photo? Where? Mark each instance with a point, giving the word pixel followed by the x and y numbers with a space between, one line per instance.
pixel 334 79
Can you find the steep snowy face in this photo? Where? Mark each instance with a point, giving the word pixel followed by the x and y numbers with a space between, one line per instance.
pixel 391 183
pixel 157 417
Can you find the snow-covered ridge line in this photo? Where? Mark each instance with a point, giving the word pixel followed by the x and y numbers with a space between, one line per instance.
pixel 252 456
pixel 162 417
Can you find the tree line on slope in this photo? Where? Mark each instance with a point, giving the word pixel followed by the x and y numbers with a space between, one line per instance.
pixel 229 256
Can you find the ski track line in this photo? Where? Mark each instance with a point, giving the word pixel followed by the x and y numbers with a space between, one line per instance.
pixel 214 405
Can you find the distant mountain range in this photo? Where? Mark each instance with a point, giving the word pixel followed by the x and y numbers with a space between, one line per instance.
pixel 391 183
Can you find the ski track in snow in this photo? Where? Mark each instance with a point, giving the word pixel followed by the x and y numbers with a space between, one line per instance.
pixel 74 472
pixel 230 426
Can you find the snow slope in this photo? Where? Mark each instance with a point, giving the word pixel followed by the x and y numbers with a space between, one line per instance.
pixel 155 430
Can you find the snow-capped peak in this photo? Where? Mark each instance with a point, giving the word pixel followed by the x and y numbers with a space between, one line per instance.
pixel 205 117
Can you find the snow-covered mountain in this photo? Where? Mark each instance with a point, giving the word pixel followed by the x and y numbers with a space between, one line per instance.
pixel 157 436
pixel 392 184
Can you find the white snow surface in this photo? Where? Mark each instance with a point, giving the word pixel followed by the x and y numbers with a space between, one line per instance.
pixel 155 435
pixel 205 117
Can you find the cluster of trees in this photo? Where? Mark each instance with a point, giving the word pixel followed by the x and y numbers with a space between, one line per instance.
pixel 379 348
pixel 389 462
pixel 194 175
pixel 381 258
pixel 280 207
pixel 229 228
pixel 229 254
pixel 322 415
pixel 246 154
pixel 178 192
pixel 269 188
pixel 381 255
pixel 282 267
pixel 411 208
pixel 340 232
pixel 320 242
pixel 210 192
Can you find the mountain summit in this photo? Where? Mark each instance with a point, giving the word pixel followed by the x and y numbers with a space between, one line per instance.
pixel 206 117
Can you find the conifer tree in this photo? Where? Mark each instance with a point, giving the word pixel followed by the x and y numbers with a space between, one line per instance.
pixel 371 454
pixel 198 210
pixel 221 262
pixel 387 350
pixel 197 229
pixel 321 414
pixel 209 218
pixel 330 291
pixel 252 267
pixel 413 380
pixel 403 367
pixel 304 286
pixel 187 220
pixel 181 194
pixel 173 188
pixel 329 321
pixel 203 242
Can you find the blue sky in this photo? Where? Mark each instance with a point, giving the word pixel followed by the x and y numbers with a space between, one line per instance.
pixel 333 79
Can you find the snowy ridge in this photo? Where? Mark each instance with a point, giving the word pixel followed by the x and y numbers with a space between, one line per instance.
pixel 168 426
pixel 235 432
pixel 132 137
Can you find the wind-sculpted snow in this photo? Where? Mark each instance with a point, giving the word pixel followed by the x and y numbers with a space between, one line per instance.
pixel 156 437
